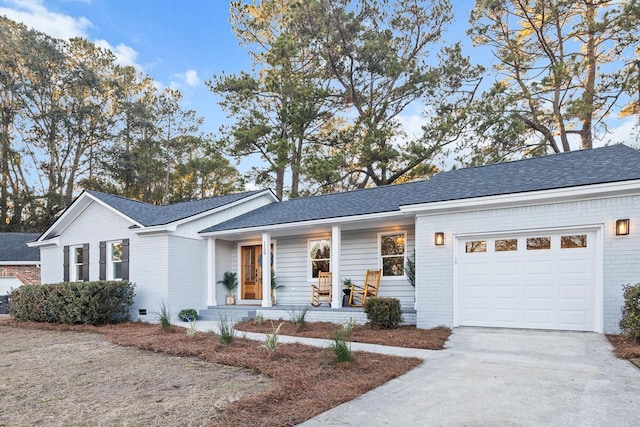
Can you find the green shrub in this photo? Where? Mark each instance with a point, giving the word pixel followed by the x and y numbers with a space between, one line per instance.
pixel 188 314
pixel 383 313
pixel 340 345
pixel 298 316
pixel 164 315
pixel 271 342
pixel 226 329
pixel 630 322
pixel 91 303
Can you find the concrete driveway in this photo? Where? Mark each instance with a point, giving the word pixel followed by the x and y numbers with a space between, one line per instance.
pixel 500 377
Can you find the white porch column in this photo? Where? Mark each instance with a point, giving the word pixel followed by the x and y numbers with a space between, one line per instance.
pixel 266 269
pixel 211 272
pixel 336 285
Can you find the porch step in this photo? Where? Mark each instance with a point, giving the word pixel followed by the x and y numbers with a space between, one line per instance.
pixel 231 313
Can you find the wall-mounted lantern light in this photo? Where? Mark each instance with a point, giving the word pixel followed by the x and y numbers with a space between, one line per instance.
pixel 439 238
pixel 622 227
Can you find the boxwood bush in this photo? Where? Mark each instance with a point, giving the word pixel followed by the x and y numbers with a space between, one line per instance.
pixel 630 322
pixel 91 303
pixel 383 313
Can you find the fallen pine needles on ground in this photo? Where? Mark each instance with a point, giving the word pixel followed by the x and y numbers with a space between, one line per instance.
pixel 304 380
pixel 402 336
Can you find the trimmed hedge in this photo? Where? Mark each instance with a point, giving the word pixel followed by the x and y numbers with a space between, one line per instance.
pixel 383 313
pixel 630 322
pixel 90 303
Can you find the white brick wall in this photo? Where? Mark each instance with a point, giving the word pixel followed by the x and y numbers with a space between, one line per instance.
pixel 434 265
pixel 328 315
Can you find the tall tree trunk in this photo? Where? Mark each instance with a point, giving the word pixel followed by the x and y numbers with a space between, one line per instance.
pixel 589 89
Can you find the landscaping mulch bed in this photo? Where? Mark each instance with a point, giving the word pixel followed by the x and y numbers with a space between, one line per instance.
pixel 302 381
pixel 626 348
pixel 402 336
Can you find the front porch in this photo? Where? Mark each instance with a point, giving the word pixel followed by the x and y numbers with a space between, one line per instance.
pixel 324 313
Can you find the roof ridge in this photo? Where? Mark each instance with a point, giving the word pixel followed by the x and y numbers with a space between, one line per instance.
pixel 508 162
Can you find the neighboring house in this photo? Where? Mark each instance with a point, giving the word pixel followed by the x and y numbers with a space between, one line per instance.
pixel 19 264
pixel 542 243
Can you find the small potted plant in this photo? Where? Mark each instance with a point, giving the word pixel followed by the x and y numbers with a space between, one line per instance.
pixel 274 286
pixel 188 315
pixel 230 282
pixel 347 284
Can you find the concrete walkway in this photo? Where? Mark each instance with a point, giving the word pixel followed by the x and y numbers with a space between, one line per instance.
pixel 489 377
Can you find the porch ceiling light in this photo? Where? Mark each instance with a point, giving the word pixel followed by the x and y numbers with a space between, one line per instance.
pixel 622 227
pixel 439 238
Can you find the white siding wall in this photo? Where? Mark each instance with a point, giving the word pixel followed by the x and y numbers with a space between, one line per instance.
pixel 95 224
pixel 191 228
pixel 224 256
pixel 51 260
pixel 435 266
pixel 359 253
pixel 187 280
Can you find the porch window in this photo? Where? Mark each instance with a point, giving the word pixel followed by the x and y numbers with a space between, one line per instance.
pixel 319 256
pixel 115 260
pixel 393 250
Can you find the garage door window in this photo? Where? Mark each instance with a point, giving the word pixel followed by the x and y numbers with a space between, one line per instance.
pixel 538 243
pixel 506 245
pixel 571 242
pixel 474 246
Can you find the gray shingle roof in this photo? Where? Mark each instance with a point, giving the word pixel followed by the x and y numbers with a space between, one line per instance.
pixel 577 168
pixel 150 215
pixel 13 247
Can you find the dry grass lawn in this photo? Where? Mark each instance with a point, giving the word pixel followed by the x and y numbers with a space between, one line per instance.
pixel 65 378
pixel 134 374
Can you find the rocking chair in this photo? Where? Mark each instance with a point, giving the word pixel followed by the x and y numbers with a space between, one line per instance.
pixel 322 291
pixel 359 295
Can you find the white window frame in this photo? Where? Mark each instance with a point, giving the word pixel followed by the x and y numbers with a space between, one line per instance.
pixel 110 261
pixel 73 263
pixel 404 256
pixel 310 260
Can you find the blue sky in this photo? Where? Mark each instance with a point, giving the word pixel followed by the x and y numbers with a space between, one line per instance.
pixel 179 43
pixel 182 43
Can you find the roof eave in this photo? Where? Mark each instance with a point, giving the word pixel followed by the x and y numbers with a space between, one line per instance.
pixel 609 189
pixel 20 263
pixel 74 210
pixel 53 242
pixel 218 209
pixel 300 224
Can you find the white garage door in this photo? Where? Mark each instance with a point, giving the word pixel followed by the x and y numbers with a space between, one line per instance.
pixel 542 280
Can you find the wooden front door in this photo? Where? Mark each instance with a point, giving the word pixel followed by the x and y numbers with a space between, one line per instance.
pixel 251 272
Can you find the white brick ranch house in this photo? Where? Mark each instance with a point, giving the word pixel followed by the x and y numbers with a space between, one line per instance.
pixel 543 243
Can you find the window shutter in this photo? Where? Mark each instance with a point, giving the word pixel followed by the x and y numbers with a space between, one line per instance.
pixel 65 265
pixel 85 262
pixel 103 261
pixel 125 259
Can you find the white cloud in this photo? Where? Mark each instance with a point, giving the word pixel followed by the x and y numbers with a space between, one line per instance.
pixel 125 55
pixel 188 78
pixel 626 132
pixel 34 14
pixel 191 78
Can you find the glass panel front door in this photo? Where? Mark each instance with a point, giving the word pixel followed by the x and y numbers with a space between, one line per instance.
pixel 251 272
